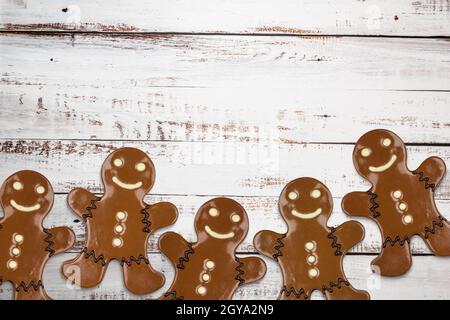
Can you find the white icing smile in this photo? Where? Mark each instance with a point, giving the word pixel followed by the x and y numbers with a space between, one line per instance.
pixel 385 166
pixel 310 215
pixel 19 207
pixel 127 186
pixel 218 235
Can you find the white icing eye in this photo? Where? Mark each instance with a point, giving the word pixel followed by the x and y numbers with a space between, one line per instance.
pixel 17 186
pixel 366 152
pixel 316 193
pixel 118 162
pixel 293 195
pixel 235 218
pixel 140 166
pixel 40 189
pixel 213 212
pixel 387 142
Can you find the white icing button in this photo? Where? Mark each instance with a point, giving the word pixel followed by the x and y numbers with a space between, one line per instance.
pixel 366 152
pixel 201 290
pixel 17 185
pixel 408 219
pixel 316 193
pixel 12 265
pixel 15 251
pixel 235 218
pixel 313 273
pixel 117 242
pixel 397 194
pixel 311 259
pixel 40 189
pixel 387 142
pixel 402 206
pixel 118 162
pixel 18 238
pixel 140 167
pixel 293 195
pixel 309 246
pixel 213 212
pixel 206 277
pixel 210 264
pixel 121 215
pixel 119 228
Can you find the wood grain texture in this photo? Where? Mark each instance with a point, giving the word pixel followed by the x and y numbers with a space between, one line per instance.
pixel 311 17
pixel 427 278
pixel 262 213
pixel 197 168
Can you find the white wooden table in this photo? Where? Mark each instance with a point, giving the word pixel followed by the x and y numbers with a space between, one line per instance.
pixel 233 98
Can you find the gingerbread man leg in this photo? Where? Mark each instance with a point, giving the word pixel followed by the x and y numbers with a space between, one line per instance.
pixel 140 277
pixel 438 240
pixel 347 293
pixel 394 260
pixel 86 270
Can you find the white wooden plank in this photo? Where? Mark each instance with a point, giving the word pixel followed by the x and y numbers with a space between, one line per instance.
pixel 427 279
pixel 262 213
pixel 197 168
pixel 133 64
pixel 218 114
pixel 372 17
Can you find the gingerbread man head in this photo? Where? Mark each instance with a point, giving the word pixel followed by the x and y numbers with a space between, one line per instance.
pixel 128 170
pixel 27 192
pixel 378 152
pixel 221 220
pixel 305 200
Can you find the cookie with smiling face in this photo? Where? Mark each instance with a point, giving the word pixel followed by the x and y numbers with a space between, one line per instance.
pixel 209 269
pixel 120 223
pixel 25 245
pixel 400 201
pixel 310 254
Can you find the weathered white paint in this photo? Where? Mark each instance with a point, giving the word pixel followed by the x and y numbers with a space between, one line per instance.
pixel 372 17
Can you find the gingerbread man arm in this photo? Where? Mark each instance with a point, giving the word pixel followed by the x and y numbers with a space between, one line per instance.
pixel 360 204
pixel 254 269
pixel 431 172
pixel 60 239
pixel 80 200
pixel 162 214
pixel 173 246
pixel 268 243
pixel 347 235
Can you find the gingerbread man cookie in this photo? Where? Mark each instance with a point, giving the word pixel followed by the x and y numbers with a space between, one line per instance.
pixel 209 268
pixel 25 245
pixel 400 201
pixel 310 254
pixel 120 223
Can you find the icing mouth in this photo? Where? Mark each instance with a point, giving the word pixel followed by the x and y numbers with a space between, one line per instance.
pixel 19 207
pixel 385 166
pixel 310 215
pixel 127 186
pixel 218 235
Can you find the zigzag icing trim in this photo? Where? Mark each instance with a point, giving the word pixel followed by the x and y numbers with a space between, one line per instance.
pixel 174 296
pixel 436 224
pixel 335 244
pixel 333 285
pixel 425 179
pixel 132 259
pixel 292 291
pixel 146 219
pixel 374 205
pixel 185 258
pixel 278 247
pixel 396 240
pixel 49 242
pixel 91 208
pixel 91 254
pixel 26 287
pixel 240 272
